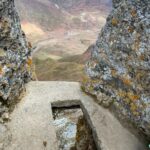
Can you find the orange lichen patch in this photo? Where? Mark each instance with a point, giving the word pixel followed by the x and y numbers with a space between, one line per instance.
pixel 142 57
pixel 126 81
pixel 29 45
pixel 122 94
pixel 133 13
pixel 130 29
pixel 96 61
pixel 133 107
pixel 1 70
pixel 113 72
pixel 114 22
pixel 132 96
pixel 29 61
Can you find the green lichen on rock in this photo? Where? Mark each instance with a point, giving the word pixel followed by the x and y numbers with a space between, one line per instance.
pixel 15 58
pixel 120 64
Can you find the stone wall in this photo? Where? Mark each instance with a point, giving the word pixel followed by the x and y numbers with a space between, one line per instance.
pixel 15 52
pixel 119 69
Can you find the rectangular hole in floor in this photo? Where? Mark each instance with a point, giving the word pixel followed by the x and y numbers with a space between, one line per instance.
pixel 72 129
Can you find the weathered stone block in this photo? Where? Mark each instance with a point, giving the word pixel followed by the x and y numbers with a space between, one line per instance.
pixel 15 61
pixel 120 62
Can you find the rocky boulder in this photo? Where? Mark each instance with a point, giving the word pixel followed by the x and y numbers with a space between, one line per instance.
pixel 119 68
pixel 15 52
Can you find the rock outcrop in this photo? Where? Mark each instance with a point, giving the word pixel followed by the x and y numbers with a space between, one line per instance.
pixel 119 69
pixel 15 52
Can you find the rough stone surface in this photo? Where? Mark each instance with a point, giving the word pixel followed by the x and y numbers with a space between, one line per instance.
pixel 5 136
pixel 119 68
pixel 84 138
pixel 32 128
pixel 15 61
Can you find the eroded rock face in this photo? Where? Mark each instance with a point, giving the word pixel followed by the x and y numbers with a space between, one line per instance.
pixel 15 51
pixel 119 68
pixel 116 3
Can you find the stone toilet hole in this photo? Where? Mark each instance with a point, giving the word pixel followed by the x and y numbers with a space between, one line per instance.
pixel 72 128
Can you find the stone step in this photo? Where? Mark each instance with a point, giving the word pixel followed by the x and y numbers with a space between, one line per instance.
pixel 31 124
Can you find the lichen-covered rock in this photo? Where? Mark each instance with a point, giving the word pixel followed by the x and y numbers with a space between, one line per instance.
pixel 116 3
pixel 15 51
pixel 120 63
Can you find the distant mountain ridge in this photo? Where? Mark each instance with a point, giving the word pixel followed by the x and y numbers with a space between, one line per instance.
pixel 69 4
pixel 50 14
pixel 78 6
pixel 41 12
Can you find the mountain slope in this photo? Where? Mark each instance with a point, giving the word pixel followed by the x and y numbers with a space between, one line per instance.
pixel 61 31
pixel 51 14
pixel 81 4
pixel 40 12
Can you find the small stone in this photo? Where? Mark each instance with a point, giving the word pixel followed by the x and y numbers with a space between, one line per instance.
pixel 6 117
pixel 44 143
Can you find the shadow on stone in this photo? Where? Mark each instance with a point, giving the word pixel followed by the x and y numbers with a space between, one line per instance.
pixel 72 129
